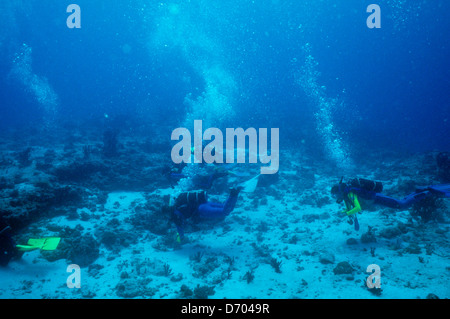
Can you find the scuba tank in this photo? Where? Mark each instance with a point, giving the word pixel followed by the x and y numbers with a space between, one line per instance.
pixel 189 201
pixel 368 185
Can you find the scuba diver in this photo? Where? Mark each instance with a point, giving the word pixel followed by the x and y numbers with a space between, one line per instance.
pixel 371 190
pixel 195 206
pixel 9 250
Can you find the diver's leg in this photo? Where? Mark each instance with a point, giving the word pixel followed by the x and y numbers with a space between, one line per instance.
pixel 216 210
pixel 400 203
pixel 230 203
pixel 210 210
pixel 413 198
pixel 179 221
pixel 387 201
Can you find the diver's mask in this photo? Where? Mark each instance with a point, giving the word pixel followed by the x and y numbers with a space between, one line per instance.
pixel 338 193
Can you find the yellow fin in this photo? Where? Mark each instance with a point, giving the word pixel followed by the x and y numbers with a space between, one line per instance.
pixel 50 243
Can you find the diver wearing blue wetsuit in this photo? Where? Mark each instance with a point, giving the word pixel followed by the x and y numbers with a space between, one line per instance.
pixel 195 206
pixel 371 190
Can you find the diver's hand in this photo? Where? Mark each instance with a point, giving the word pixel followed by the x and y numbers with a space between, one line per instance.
pixel 350 219
pixel 181 239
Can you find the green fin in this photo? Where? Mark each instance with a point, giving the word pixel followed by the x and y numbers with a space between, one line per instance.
pixel 50 243
pixel 26 248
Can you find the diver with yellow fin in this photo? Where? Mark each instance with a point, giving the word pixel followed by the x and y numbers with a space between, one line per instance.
pixel 9 249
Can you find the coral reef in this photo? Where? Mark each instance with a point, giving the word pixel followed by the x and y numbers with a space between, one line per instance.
pixel 430 208
pixel 110 209
pixel 343 268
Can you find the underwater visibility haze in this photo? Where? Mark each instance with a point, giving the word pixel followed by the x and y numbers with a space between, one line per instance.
pixel 357 120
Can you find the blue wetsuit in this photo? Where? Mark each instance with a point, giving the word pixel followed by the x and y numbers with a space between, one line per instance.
pixel 350 194
pixel 418 195
pixel 202 210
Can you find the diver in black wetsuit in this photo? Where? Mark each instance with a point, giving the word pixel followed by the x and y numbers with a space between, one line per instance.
pixel 8 249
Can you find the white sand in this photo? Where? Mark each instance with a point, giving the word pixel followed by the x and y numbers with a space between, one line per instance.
pixel 302 275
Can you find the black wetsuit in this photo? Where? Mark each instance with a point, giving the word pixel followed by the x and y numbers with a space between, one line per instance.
pixel 7 245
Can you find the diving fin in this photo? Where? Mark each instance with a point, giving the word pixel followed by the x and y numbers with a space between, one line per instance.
pixel 356 223
pixel 250 185
pixel 50 243
pixel 443 189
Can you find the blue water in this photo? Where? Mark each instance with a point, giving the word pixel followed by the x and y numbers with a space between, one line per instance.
pixel 335 88
pixel 135 55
